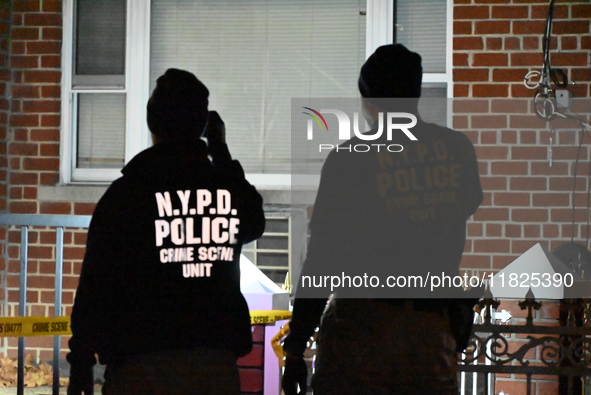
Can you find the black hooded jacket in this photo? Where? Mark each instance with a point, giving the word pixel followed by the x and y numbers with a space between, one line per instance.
pixel 161 269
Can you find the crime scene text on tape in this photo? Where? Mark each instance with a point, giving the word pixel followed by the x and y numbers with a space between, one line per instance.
pixel 268 316
pixel 57 326
pixel 34 326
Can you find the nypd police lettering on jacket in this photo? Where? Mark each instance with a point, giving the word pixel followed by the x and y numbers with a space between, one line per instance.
pixel 196 229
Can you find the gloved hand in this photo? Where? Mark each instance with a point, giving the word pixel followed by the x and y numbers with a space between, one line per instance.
pixel 296 373
pixel 215 132
pixel 81 380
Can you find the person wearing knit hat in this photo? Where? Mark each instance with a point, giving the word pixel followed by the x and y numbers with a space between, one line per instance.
pixel 386 215
pixel 157 302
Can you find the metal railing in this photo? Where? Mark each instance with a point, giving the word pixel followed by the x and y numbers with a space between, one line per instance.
pixel 25 221
pixel 544 350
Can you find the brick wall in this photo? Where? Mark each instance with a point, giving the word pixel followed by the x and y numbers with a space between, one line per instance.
pixel 4 112
pixel 496 43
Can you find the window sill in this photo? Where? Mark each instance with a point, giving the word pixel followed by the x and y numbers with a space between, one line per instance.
pixel 92 193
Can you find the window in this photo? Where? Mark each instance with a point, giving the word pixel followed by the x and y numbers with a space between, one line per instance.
pixel 254 56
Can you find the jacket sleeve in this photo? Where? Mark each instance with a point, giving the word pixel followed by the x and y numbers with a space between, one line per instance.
pixel 326 248
pixel 252 216
pixel 98 286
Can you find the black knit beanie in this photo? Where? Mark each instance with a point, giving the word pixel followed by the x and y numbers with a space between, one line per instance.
pixel 392 71
pixel 177 108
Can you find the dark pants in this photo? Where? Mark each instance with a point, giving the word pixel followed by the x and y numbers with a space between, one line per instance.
pixel 204 371
pixel 367 347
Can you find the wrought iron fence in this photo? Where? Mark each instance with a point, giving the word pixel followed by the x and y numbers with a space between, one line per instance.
pixel 530 349
pixel 59 222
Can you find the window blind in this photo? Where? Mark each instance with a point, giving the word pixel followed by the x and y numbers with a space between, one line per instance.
pixel 255 56
pixel 421 27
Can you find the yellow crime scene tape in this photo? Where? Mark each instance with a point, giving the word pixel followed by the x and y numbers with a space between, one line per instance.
pixel 57 326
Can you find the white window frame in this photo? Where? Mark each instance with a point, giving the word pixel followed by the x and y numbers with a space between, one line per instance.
pixel 379 25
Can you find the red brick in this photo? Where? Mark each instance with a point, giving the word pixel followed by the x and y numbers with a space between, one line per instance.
pixel 55 208
pixel 460 59
pixel 506 75
pixel 569 59
pixel 509 168
pixel 470 43
pixel 492 27
pixel 50 120
pixel 23 207
pixel 45 135
pixel 470 106
pixel 26 6
pixel 24 62
pixel 498 90
pixel 492 1
pixel 491 245
pixel 475 262
pixel 491 214
pixel 74 253
pixel 529 27
pixel 462 28
pixel 45 19
pixel 49 178
pixel 488 122
pixel 566 215
pixel 526 122
pixel 52 5
pixel 570 27
pixel 489 59
pixel 463 75
pixel 30 193
pixel 510 12
pixel 531 42
pixel 43 76
pixel 51 91
pixel 528 184
pixel 25 91
pixel 470 12
pixel 519 91
pixel 550 199
pixel 526 59
pixel 494 43
pixel 510 199
pixel 49 150
pixel 581 74
pixel 492 152
pixel 565 184
pixel 581 11
pixel 23 178
pixel 44 47
pixel 541 11
pixel 529 215
pixel 586 42
pixel 461 90
pixel 52 33
pixel 84 208
pixel 51 62
pixel 41 106
pixel 24 120
pixel 43 164
pixel 528 153
pixel 568 43
pixel 25 33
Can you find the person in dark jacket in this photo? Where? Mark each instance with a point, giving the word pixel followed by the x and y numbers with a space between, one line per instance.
pixel 389 212
pixel 159 296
